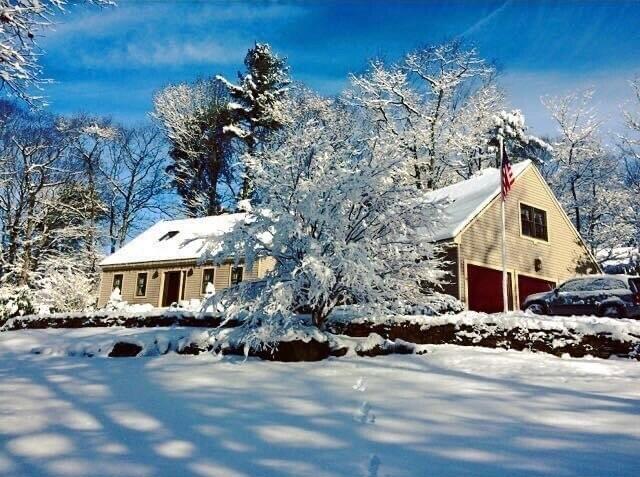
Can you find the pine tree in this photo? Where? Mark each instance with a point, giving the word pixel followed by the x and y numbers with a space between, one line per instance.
pixel 257 107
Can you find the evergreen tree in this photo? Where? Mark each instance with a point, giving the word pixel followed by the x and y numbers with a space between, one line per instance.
pixel 258 108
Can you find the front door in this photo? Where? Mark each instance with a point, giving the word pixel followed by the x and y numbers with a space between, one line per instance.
pixel 171 290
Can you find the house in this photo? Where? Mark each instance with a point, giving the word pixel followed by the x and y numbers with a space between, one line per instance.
pixel 161 265
pixel 543 246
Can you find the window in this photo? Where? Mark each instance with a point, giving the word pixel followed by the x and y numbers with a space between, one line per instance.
pixel 236 275
pixel 610 284
pixel 592 285
pixel 117 282
pixel 583 284
pixel 534 222
pixel 208 275
pixel 141 284
pixel 168 235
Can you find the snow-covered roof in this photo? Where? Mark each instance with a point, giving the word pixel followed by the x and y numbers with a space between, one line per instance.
pixel 160 243
pixel 468 198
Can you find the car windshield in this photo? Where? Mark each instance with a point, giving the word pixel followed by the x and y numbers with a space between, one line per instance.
pixel 635 284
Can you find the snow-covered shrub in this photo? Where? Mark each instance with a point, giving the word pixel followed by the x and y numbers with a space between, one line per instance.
pixel 15 301
pixel 436 304
pixel 340 214
pixel 67 290
pixel 115 301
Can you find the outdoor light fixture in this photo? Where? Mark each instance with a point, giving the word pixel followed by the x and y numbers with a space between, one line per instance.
pixel 537 264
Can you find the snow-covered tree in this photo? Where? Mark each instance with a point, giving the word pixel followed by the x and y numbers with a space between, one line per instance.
pixel 258 102
pixel 194 117
pixel 438 103
pixel 509 127
pixel 470 151
pixel 89 140
pixel 65 289
pixel 583 174
pixel 629 143
pixel 115 301
pixel 21 21
pixel 33 152
pixel 48 204
pixel 340 216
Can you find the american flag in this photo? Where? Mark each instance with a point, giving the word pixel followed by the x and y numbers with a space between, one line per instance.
pixel 506 174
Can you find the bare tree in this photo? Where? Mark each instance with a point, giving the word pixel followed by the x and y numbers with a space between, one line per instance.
pixel 136 183
pixel 629 144
pixel 584 175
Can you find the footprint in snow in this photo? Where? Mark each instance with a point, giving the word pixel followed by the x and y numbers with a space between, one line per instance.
pixel 374 466
pixel 364 414
pixel 360 385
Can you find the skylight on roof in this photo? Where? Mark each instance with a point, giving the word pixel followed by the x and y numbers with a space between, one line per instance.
pixel 168 235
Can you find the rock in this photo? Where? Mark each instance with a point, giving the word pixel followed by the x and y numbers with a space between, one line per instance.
pixel 122 349
pixel 297 350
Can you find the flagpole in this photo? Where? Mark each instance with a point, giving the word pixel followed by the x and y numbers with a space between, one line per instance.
pixel 504 241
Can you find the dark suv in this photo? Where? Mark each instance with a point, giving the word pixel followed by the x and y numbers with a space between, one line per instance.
pixel 616 296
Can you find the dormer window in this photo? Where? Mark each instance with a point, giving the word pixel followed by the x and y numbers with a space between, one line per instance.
pixel 168 235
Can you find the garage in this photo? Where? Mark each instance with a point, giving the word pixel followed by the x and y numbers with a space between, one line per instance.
pixel 484 289
pixel 529 285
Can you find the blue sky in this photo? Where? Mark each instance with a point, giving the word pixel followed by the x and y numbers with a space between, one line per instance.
pixel 111 61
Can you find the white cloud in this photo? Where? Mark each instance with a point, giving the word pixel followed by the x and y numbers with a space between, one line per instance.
pixel 130 16
pixel 170 52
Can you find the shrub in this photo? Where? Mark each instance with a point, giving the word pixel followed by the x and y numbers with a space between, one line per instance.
pixel 15 301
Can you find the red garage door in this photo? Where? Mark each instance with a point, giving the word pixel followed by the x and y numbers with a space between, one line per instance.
pixel 529 285
pixel 484 289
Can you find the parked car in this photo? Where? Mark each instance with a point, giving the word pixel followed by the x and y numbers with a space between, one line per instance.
pixel 616 296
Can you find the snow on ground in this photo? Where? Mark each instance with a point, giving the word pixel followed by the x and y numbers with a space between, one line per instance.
pixel 454 411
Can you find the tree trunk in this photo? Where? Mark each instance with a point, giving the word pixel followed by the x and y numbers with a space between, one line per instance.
pixel 576 208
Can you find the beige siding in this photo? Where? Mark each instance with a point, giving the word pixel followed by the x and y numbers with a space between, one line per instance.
pixel 265 265
pixel 563 256
pixel 192 276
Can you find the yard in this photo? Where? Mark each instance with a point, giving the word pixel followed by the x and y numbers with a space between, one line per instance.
pixel 453 411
